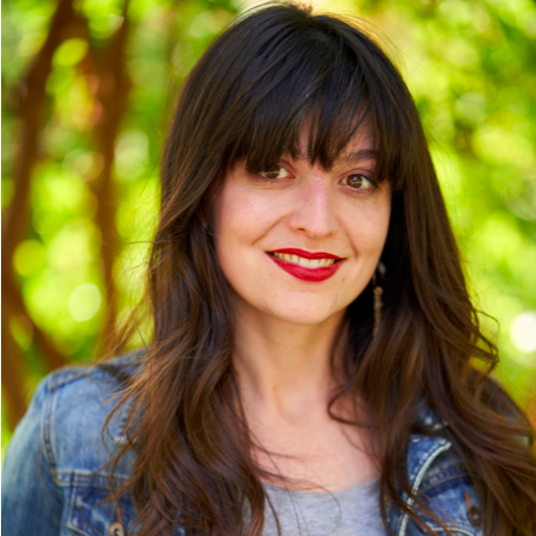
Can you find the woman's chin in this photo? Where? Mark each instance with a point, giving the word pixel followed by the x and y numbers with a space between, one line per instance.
pixel 302 314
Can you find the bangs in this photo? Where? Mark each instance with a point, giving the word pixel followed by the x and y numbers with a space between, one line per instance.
pixel 320 79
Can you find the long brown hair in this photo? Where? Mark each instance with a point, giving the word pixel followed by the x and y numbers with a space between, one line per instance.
pixel 248 97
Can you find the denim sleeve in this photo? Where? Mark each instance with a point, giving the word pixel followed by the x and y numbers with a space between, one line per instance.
pixel 32 503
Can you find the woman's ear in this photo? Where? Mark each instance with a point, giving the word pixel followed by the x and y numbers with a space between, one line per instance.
pixel 204 219
pixel 206 210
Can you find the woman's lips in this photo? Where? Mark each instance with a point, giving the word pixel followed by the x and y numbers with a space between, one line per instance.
pixel 306 254
pixel 312 275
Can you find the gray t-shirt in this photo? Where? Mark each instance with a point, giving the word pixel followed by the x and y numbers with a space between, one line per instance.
pixel 350 512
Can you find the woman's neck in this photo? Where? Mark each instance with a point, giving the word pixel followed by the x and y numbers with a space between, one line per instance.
pixel 284 368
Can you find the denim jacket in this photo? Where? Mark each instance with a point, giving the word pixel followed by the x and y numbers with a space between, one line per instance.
pixel 54 479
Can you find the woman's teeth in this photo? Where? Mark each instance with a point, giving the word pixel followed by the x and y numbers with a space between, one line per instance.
pixel 301 261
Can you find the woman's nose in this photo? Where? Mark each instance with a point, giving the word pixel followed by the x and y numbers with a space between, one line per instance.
pixel 314 211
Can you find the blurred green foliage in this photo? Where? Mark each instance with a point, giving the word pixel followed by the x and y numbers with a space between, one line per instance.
pixel 470 64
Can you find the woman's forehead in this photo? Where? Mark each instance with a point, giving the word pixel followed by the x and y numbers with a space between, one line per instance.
pixel 359 148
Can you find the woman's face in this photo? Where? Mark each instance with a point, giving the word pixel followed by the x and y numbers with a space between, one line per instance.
pixel 300 243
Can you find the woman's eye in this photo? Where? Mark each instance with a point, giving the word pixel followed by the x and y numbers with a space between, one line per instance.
pixel 358 181
pixel 277 172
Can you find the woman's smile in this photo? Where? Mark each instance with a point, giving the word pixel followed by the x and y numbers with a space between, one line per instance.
pixel 306 265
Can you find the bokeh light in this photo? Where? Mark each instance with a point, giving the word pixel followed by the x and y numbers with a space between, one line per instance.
pixel 523 332
pixel 85 302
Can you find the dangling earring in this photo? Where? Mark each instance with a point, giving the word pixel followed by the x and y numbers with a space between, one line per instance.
pixel 378 303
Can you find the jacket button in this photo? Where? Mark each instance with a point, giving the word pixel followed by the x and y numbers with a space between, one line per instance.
pixel 116 529
pixel 475 516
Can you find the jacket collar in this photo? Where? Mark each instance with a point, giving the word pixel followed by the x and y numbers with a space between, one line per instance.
pixel 421 453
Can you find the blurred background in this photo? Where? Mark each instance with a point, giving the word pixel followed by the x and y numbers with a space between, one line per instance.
pixel 88 87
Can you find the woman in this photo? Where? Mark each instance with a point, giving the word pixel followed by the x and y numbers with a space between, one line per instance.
pixel 316 365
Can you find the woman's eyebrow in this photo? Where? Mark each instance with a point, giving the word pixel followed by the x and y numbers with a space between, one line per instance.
pixel 348 158
pixel 362 154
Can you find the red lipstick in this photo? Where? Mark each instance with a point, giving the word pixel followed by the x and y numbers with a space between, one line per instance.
pixel 306 254
pixel 312 275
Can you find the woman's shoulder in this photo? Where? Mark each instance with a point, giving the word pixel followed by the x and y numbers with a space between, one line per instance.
pixel 92 381
pixel 440 480
pixel 75 403
pixel 56 468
